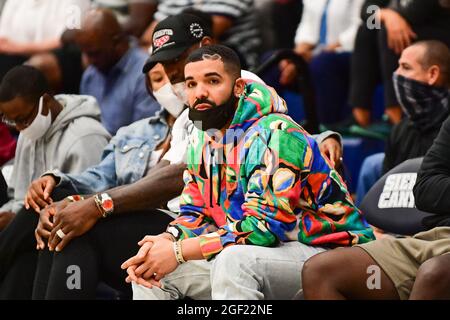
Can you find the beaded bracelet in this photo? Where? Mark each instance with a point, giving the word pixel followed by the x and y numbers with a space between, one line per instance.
pixel 178 252
pixel 74 198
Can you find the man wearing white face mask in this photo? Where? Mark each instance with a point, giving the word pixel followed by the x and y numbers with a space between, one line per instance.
pixel 61 132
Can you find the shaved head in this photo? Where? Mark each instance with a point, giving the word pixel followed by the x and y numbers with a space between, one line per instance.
pixel 102 39
pixel 435 53
pixel 102 23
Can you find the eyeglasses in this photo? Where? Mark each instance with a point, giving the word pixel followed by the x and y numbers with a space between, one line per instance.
pixel 24 122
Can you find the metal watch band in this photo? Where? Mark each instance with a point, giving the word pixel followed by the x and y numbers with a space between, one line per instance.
pixel 104 203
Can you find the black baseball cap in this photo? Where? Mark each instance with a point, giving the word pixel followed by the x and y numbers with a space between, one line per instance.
pixel 175 34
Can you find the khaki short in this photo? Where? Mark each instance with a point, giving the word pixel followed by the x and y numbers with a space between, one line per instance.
pixel 400 258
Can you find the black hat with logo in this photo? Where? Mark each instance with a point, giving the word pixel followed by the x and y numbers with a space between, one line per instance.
pixel 174 35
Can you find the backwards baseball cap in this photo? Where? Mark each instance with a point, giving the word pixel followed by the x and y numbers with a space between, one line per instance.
pixel 175 34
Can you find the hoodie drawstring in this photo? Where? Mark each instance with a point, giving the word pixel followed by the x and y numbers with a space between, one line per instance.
pixel 212 165
pixel 211 174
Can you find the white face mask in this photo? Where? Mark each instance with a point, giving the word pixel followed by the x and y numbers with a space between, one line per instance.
pixel 168 100
pixel 39 126
pixel 180 91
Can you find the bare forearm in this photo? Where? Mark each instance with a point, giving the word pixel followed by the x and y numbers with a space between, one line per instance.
pixel 191 249
pixel 158 187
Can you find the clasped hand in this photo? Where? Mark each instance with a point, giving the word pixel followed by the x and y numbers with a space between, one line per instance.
pixel 154 260
pixel 72 218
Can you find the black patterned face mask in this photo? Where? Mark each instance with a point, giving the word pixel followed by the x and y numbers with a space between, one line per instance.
pixel 426 106
pixel 214 118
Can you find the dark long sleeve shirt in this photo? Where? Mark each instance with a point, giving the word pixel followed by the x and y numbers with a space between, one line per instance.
pixel 432 189
pixel 406 142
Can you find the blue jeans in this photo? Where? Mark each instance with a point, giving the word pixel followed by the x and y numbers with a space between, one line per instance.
pixel 371 171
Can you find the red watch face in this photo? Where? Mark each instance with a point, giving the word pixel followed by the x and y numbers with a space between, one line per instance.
pixel 107 205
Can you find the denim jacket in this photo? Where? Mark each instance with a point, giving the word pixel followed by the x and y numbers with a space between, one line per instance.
pixel 124 160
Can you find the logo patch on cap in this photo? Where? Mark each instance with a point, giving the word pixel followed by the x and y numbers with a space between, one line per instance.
pixel 196 30
pixel 162 32
pixel 161 37
pixel 157 43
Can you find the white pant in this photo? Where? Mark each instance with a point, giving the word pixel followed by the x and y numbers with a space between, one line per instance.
pixel 238 272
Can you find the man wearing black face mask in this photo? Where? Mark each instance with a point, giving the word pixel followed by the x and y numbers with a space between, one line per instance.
pixel 421 86
pixel 216 116
pixel 416 267
pixel 257 191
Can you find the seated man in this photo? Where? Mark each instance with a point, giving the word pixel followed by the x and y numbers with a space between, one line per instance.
pixel 422 89
pixel 396 268
pixel 113 76
pixel 61 132
pixel 257 186
pixel 54 131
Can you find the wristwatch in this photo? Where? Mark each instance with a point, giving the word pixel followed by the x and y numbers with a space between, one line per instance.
pixel 104 204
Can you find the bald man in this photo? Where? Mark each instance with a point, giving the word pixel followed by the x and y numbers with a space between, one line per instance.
pixel 114 74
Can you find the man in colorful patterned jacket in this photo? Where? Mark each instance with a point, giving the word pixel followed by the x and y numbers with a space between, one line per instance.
pixel 259 197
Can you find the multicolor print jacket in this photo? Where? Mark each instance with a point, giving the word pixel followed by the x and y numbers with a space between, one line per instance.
pixel 264 182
